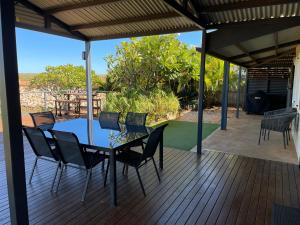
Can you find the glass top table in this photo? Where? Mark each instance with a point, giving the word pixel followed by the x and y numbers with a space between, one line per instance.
pixel 91 135
pixel 111 138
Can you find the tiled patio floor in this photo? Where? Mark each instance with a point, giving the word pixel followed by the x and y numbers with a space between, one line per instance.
pixel 241 137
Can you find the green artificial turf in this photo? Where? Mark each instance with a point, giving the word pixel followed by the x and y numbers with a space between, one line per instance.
pixel 183 135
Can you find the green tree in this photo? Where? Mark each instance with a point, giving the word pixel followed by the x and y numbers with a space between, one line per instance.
pixel 64 77
pixel 148 63
pixel 163 62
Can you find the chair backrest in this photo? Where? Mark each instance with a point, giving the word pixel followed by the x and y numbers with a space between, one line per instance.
pixel 153 141
pixel 109 120
pixel 38 142
pixel 278 112
pixel 41 119
pixel 136 119
pixel 136 129
pixel 69 148
pixel 279 123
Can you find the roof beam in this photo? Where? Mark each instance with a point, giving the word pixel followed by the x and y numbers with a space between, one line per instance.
pixel 276 42
pixel 182 11
pixel 244 5
pixel 126 21
pixel 258 22
pixel 271 58
pixel 272 48
pixel 143 33
pixel 49 19
pixel 245 51
pixel 81 5
pixel 218 56
pixel 243 31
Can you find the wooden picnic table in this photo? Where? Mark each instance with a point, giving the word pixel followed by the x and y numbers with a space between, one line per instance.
pixel 78 106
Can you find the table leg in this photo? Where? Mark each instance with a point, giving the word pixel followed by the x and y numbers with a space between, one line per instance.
pixel 55 108
pixel 161 153
pixel 68 106
pixel 113 178
pixel 60 109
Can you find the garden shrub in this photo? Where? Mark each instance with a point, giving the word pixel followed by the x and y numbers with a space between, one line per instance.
pixel 158 104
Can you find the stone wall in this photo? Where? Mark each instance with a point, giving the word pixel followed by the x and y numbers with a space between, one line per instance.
pixel 39 99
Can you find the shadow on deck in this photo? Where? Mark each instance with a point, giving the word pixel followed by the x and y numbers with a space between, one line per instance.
pixel 216 188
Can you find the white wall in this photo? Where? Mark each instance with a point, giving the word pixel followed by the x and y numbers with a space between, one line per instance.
pixel 296 99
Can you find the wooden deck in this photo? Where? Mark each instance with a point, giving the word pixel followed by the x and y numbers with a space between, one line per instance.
pixel 216 188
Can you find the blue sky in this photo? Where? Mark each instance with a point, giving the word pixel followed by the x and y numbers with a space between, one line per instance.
pixel 37 50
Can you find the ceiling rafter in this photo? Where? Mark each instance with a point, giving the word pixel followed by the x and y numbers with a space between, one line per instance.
pixel 182 11
pixel 272 48
pixel 240 47
pixel 142 33
pixel 126 21
pixel 266 60
pixel 276 42
pixel 81 5
pixel 48 19
pixel 259 22
pixel 244 4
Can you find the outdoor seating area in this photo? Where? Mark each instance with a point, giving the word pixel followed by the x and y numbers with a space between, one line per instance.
pixel 279 120
pixel 217 187
pixel 84 144
pixel 100 149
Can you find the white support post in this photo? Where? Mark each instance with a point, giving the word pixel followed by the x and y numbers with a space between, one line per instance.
pixel 88 69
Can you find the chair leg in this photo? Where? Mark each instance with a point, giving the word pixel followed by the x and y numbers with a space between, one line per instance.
pixel 284 145
pixel 143 148
pixel 156 170
pixel 59 177
pixel 265 131
pixel 142 186
pixel 289 134
pixel 106 173
pixel 287 137
pixel 53 182
pixel 260 133
pixel 125 169
pixel 269 134
pixel 33 168
pixel 89 172
pixel 103 165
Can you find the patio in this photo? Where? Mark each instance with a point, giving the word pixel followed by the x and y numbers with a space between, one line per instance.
pixel 216 188
pixel 241 138
pixel 209 187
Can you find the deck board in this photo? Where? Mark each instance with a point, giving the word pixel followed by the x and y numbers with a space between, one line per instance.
pixel 216 188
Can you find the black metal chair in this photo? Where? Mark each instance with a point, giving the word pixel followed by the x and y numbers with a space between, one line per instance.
pixel 41 149
pixel 74 155
pixel 43 120
pixel 280 123
pixel 136 119
pixel 109 120
pixel 279 112
pixel 137 159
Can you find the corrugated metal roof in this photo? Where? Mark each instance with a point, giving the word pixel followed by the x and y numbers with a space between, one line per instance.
pixel 232 11
pixel 105 19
